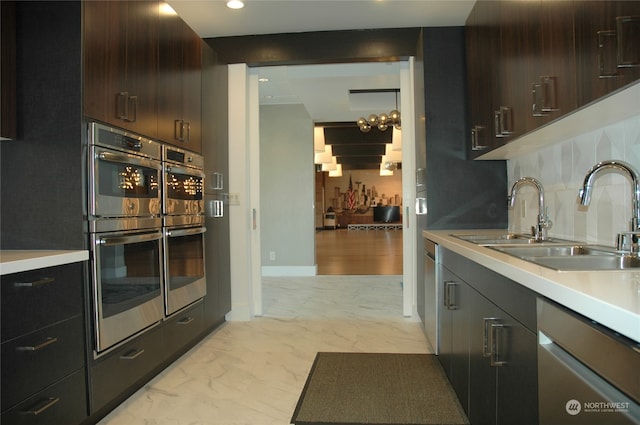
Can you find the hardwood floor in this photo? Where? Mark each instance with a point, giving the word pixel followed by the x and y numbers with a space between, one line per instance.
pixel 359 252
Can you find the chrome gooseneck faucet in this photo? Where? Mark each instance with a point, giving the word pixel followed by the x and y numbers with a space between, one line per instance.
pixel 626 241
pixel 540 230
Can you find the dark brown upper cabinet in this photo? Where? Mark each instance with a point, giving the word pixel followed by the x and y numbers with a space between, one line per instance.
pixel 8 122
pixel 121 64
pixel 483 49
pixel 533 62
pixel 180 84
pixel 607 47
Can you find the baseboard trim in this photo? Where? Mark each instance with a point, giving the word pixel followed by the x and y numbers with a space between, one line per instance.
pixel 290 270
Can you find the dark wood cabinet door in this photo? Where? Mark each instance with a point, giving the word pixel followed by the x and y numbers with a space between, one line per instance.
pixel 517 379
pixel 483 48
pixel 454 335
pixel 192 87
pixel 556 72
pixel 598 42
pixel 482 376
pixel 104 41
pixel 180 84
pixel 120 61
pixel 142 63
pixel 519 52
pixel 169 77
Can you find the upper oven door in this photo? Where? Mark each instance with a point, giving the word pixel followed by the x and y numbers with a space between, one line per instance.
pixel 183 190
pixel 123 185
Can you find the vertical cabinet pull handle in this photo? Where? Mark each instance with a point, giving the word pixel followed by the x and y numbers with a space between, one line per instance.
pixel 177 130
pixel 132 115
pixel 41 406
pixel 544 96
pixel 503 121
pixel 186 133
pixel 607 55
pixel 486 336
pixel 122 105
pixel 48 341
pixel 475 138
pixel 497 359
pixel 35 283
pixel 628 34
pixel 450 295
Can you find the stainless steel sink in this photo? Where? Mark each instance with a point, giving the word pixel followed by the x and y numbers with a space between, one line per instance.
pixel 572 257
pixel 588 262
pixel 553 250
pixel 506 239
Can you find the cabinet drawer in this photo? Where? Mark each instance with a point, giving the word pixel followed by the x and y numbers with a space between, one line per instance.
pixel 35 299
pixel 122 370
pixel 62 403
pixel 182 329
pixel 34 361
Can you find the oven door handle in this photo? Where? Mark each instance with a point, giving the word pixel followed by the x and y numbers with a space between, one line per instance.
pixel 122 240
pixel 127 159
pixel 186 232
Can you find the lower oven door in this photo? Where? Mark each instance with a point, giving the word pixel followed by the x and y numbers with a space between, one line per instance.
pixel 184 267
pixel 127 284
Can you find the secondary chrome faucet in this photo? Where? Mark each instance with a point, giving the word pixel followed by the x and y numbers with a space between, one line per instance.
pixel 540 230
pixel 626 241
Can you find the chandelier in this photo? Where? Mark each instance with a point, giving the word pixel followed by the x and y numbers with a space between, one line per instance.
pixel 382 121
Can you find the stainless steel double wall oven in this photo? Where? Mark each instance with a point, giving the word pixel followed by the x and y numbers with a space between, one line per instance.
pixel 138 263
pixel 183 215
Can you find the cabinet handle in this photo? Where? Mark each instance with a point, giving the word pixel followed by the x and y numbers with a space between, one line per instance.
pixel 177 129
pixel 628 29
pixel 41 406
pixel 503 121
pixel 450 295
pixel 607 56
pixel 495 344
pixel 475 137
pixel 217 181
pixel 35 283
pixel 486 338
pixel 132 113
pixel 544 96
pixel 122 105
pixel 133 354
pixel 185 320
pixel 43 344
pixel 186 132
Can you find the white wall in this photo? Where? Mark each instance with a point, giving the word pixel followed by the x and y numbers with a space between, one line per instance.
pixel 561 169
pixel 287 184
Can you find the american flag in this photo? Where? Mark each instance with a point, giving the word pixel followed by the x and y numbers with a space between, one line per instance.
pixel 351 196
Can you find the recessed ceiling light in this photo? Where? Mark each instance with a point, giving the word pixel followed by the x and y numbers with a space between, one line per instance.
pixel 235 4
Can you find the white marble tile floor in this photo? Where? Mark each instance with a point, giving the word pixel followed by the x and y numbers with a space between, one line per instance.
pixel 252 373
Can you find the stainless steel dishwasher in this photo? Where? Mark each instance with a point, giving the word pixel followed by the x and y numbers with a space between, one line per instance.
pixel 587 374
pixel 431 294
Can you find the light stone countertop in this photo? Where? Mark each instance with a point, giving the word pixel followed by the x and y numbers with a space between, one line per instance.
pixel 15 261
pixel 611 298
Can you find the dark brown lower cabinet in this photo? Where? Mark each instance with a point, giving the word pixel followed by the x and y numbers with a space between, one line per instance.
pixel 64 402
pixel 488 344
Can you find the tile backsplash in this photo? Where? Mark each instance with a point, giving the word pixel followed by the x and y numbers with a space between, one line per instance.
pixel 561 169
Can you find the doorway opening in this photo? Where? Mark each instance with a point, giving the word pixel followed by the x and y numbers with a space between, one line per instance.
pixel 310 90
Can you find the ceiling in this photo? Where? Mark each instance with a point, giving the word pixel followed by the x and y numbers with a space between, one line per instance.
pixel 211 18
pixel 324 89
